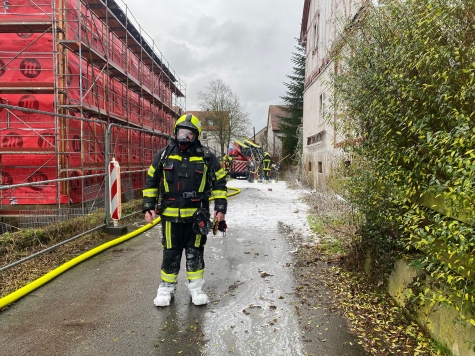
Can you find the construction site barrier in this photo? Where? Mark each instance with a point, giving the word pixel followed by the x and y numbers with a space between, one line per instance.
pixel 115 193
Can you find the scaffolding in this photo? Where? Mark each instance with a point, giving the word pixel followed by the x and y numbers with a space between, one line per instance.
pixel 68 69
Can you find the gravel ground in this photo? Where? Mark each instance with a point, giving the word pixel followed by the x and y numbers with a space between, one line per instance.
pixel 379 324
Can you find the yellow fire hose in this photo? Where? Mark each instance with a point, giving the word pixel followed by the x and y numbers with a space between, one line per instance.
pixel 64 267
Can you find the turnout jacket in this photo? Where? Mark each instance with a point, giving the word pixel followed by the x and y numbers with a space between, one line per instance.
pixel 183 181
pixel 267 162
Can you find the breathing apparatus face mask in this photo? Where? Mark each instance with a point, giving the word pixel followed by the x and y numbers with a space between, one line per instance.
pixel 185 137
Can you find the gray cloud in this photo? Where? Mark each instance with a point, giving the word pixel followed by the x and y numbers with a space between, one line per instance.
pixel 246 43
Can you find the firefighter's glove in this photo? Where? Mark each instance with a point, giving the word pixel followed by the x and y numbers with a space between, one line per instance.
pixel 222 226
pixel 201 222
pixel 219 226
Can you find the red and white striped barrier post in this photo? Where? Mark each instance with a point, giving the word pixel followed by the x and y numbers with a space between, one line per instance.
pixel 114 193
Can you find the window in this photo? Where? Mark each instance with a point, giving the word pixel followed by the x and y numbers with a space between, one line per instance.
pixel 316 33
pixel 320 167
pixel 210 121
pixel 315 37
pixel 321 108
pixel 309 166
pixel 317 138
pixel 204 136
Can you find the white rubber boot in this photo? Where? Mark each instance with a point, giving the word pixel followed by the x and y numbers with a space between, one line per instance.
pixel 164 294
pixel 197 295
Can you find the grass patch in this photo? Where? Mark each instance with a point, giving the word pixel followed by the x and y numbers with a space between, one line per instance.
pixel 316 224
pixel 334 246
pixel 330 230
pixel 21 244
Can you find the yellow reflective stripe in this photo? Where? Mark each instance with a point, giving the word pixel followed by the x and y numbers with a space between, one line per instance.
pixel 176 212
pixel 170 278
pixel 196 159
pixel 252 144
pixel 150 193
pixel 220 194
pixel 241 143
pixel 203 180
pixel 168 233
pixel 197 240
pixel 178 158
pixel 220 174
pixel 187 212
pixel 151 171
pixel 195 275
pixel 196 122
pixel 171 212
pixel 165 183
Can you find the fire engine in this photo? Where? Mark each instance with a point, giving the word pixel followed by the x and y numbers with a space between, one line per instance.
pixel 247 157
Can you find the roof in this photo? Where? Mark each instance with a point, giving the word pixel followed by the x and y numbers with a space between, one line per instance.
pixel 304 24
pixel 274 113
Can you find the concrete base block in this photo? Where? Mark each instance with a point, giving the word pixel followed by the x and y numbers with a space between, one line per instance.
pixel 116 230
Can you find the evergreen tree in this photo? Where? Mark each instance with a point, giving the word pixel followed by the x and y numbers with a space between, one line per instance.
pixel 293 106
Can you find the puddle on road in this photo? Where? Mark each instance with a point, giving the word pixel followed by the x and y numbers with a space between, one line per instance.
pixel 255 314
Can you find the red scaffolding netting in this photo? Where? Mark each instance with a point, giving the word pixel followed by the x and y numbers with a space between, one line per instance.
pixel 83 70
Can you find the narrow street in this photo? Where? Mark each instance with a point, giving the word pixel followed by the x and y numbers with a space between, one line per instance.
pixel 104 306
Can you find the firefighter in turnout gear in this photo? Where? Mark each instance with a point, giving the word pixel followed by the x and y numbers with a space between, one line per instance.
pixel 182 178
pixel 227 163
pixel 266 163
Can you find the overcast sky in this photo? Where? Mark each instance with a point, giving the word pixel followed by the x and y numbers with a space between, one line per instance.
pixel 246 43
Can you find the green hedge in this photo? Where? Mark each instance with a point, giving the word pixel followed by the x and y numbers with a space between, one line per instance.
pixel 405 99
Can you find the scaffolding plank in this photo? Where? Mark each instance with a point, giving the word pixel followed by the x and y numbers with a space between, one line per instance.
pixel 26 150
pixel 96 2
pixel 24 25
pixel 11 88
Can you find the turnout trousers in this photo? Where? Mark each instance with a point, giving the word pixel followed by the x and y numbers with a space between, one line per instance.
pixel 177 237
pixel 266 174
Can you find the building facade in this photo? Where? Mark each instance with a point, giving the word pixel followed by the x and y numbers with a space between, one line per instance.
pixel 274 134
pixel 270 137
pixel 261 138
pixel 320 29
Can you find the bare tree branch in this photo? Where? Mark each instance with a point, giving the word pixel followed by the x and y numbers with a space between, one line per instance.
pixel 230 120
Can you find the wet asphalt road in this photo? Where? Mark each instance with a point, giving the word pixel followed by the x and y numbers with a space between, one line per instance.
pixel 104 306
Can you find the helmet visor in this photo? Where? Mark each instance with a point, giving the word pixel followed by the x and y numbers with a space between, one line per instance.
pixel 184 134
